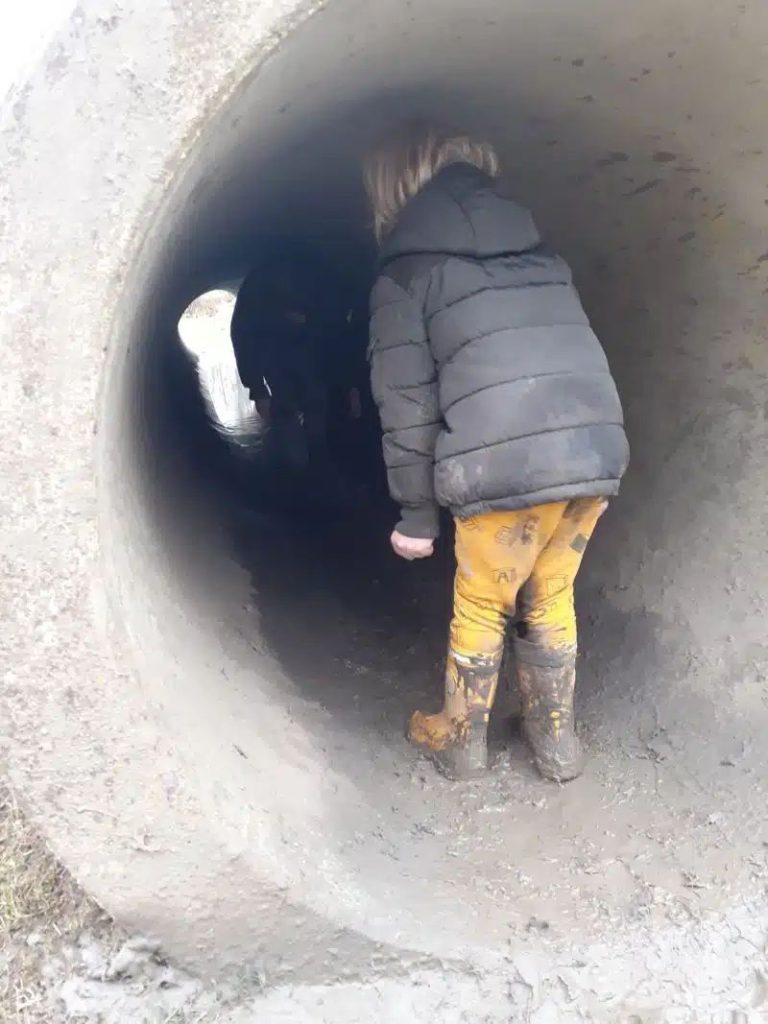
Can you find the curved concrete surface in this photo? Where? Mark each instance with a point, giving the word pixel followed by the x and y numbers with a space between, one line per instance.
pixel 189 716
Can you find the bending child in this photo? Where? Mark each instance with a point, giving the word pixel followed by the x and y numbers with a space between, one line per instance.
pixel 496 401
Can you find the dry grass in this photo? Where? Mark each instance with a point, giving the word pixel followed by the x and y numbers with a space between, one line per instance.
pixel 40 905
pixel 33 885
pixel 44 915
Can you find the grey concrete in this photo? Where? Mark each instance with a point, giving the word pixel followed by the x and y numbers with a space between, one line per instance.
pixel 176 766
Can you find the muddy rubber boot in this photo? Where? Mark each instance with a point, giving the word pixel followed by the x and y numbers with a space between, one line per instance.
pixel 547 679
pixel 456 739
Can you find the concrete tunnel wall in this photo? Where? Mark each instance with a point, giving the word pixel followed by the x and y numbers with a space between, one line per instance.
pixel 145 154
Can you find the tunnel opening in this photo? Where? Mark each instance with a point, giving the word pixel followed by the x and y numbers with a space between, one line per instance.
pixel 283 651
pixel 204 334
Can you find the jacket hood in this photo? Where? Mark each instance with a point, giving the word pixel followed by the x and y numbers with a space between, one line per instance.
pixel 460 212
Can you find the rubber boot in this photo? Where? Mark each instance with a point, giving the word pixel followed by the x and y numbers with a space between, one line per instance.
pixel 456 739
pixel 547 679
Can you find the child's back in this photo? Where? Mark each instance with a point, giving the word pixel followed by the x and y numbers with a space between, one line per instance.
pixel 526 411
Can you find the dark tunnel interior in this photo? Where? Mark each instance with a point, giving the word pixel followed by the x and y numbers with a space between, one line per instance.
pixel 357 630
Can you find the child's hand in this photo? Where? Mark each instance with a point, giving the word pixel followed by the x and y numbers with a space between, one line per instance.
pixel 411 548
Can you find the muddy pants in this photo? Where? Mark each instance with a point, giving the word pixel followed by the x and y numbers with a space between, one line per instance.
pixel 524 560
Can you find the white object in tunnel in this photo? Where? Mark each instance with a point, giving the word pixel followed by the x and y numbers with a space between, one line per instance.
pixel 204 333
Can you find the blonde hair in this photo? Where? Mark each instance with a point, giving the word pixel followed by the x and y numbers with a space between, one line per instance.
pixel 394 172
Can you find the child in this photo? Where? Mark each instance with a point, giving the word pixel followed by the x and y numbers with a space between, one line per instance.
pixel 296 346
pixel 496 401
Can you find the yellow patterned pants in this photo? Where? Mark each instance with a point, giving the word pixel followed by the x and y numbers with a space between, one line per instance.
pixel 530 556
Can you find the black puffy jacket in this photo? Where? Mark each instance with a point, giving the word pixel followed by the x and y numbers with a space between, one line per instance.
pixel 493 390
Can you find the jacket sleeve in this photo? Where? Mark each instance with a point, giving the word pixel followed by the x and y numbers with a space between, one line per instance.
pixel 248 347
pixel 404 385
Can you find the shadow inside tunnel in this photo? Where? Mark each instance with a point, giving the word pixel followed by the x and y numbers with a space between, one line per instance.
pixel 357 630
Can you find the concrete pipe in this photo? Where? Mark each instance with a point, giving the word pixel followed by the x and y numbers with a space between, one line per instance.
pixel 188 713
